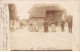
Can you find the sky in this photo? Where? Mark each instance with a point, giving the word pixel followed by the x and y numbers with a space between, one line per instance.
pixel 23 7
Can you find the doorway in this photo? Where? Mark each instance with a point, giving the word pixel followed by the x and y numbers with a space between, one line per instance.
pixel 54 15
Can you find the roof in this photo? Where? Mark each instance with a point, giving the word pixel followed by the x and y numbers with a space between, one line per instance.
pixel 39 10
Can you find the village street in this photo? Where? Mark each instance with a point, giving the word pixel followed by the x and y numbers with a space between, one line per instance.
pixel 21 39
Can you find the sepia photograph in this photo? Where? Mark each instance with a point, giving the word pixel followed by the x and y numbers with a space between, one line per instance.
pixel 42 25
pixel 41 18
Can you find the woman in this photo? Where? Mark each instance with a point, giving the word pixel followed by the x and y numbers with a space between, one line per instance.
pixel 53 27
pixel 45 26
pixel 30 28
pixel 35 27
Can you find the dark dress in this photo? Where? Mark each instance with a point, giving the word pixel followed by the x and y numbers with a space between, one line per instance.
pixel 45 27
pixel 62 25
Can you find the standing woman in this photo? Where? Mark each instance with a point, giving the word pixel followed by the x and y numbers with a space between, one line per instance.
pixel 45 26
pixel 30 27
pixel 36 26
pixel 53 27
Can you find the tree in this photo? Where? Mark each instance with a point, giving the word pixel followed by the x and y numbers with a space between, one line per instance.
pixel 12 12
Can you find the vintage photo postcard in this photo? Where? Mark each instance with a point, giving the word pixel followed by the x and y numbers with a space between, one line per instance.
pixel 43 25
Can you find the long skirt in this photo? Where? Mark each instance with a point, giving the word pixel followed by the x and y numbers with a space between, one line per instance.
pixel 45 28
pixel 31 29
pixel 53 28
pixel 35 28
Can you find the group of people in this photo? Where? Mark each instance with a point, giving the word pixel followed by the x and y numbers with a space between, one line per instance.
pixel 53 26
pixel 69 25
pixel 33 27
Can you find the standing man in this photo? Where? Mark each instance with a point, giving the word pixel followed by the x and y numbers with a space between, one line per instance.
pixel 45 26
pixel 62 25
pixel 70 24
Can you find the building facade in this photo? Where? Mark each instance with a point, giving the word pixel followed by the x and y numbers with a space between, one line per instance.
pixel 50 12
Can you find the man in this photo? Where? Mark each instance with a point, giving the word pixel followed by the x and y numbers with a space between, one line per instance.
pixel 70 25
pixel 62 25
pixel 45 26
